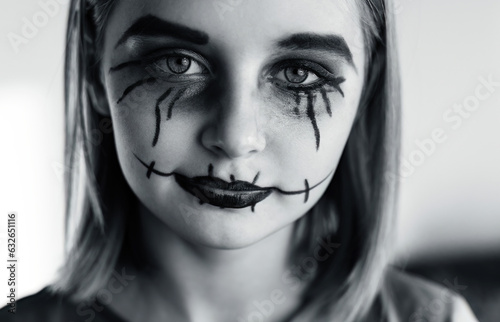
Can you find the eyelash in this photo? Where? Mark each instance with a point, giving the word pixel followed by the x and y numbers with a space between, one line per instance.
pixel 154 66
pixel 325 77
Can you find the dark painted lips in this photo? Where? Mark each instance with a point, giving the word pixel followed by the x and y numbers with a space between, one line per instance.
pixel 217 192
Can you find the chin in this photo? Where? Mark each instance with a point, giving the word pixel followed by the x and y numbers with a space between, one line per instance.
pixel 205 225
pixel 224 229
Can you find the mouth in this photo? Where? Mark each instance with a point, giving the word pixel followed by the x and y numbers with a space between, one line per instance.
pixel 220 193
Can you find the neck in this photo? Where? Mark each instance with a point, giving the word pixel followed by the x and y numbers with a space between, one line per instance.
pixel 199 283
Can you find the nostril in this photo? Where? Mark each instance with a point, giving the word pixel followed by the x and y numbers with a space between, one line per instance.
pixel 232 140
pixel 219 150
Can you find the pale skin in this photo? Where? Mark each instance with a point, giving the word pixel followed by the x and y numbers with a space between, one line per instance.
pixel 238 105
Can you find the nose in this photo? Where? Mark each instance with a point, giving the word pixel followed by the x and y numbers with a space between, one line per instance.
pixel 236 131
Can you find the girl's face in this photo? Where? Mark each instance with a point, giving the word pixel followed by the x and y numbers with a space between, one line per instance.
pixel 230 116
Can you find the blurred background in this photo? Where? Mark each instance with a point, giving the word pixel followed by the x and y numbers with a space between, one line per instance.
pixel 449 210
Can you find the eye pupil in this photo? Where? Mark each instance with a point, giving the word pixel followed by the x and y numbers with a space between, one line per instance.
pixel 296 75
pixel 178 64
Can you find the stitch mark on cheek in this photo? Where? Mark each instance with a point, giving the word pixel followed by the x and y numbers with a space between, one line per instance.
pixel 306 191
pixel 158 115
pixel 256 177
pixel 133 86
pixel 312 117
pixel 151 168
pixel 203 199
pixel 172 103
pixel 326 100
pixel 210 170
pixel 231 177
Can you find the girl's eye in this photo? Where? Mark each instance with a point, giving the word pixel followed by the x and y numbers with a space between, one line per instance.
pixel 297 75
pixel 180 65
pixel 302 76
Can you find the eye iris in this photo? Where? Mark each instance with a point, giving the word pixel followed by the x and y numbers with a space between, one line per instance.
pixel 296 75
pixel 178 64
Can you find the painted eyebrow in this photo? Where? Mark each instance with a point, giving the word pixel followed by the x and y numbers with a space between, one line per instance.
pixel 150 25
pixel 314 41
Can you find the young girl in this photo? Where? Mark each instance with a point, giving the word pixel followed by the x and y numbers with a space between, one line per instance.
pixel 232 161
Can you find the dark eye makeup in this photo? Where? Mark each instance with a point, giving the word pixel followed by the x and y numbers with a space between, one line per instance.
pixel 174 64
pixel 177 65
pixel 294 75
pixel 169 61
pixel 298 78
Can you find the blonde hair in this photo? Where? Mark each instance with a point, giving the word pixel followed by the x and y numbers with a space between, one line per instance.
pixel 360 200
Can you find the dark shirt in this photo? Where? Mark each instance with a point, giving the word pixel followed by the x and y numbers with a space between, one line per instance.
pixel 410 299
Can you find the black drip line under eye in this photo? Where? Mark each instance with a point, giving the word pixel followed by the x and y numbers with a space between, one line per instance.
pixel 174 100
pixel 158 114
pixel 130 88
pixel 310 92
pixel 327 102
pixel 159 101
pixel 171 106
pixel 298 100
pixel 312 116
pixel 310 110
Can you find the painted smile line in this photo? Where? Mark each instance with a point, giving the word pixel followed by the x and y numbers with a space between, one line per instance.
pixel 220 193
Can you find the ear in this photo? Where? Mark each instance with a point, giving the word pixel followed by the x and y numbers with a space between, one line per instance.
pixel 97 94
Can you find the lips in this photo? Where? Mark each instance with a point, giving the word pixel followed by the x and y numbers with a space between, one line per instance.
pixel 220 193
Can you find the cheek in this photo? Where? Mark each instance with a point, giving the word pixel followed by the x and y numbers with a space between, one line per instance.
pixel 311 121
pixel 296 153
pixel 309 132
pixel 142 129
pixel 305 132
pixel 142 108
pixel 135 127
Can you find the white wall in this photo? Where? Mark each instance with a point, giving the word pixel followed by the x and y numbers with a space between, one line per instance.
pixel 450 203
pixel 31 140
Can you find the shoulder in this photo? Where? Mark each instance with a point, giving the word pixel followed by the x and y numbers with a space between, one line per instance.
pixel 41 306
pixel 408 297
pixel 28 309
pixel 47 306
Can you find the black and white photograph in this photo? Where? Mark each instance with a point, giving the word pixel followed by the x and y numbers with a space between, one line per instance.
pixel 250 161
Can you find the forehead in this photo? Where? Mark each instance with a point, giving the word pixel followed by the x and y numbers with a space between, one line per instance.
pixel 254 23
